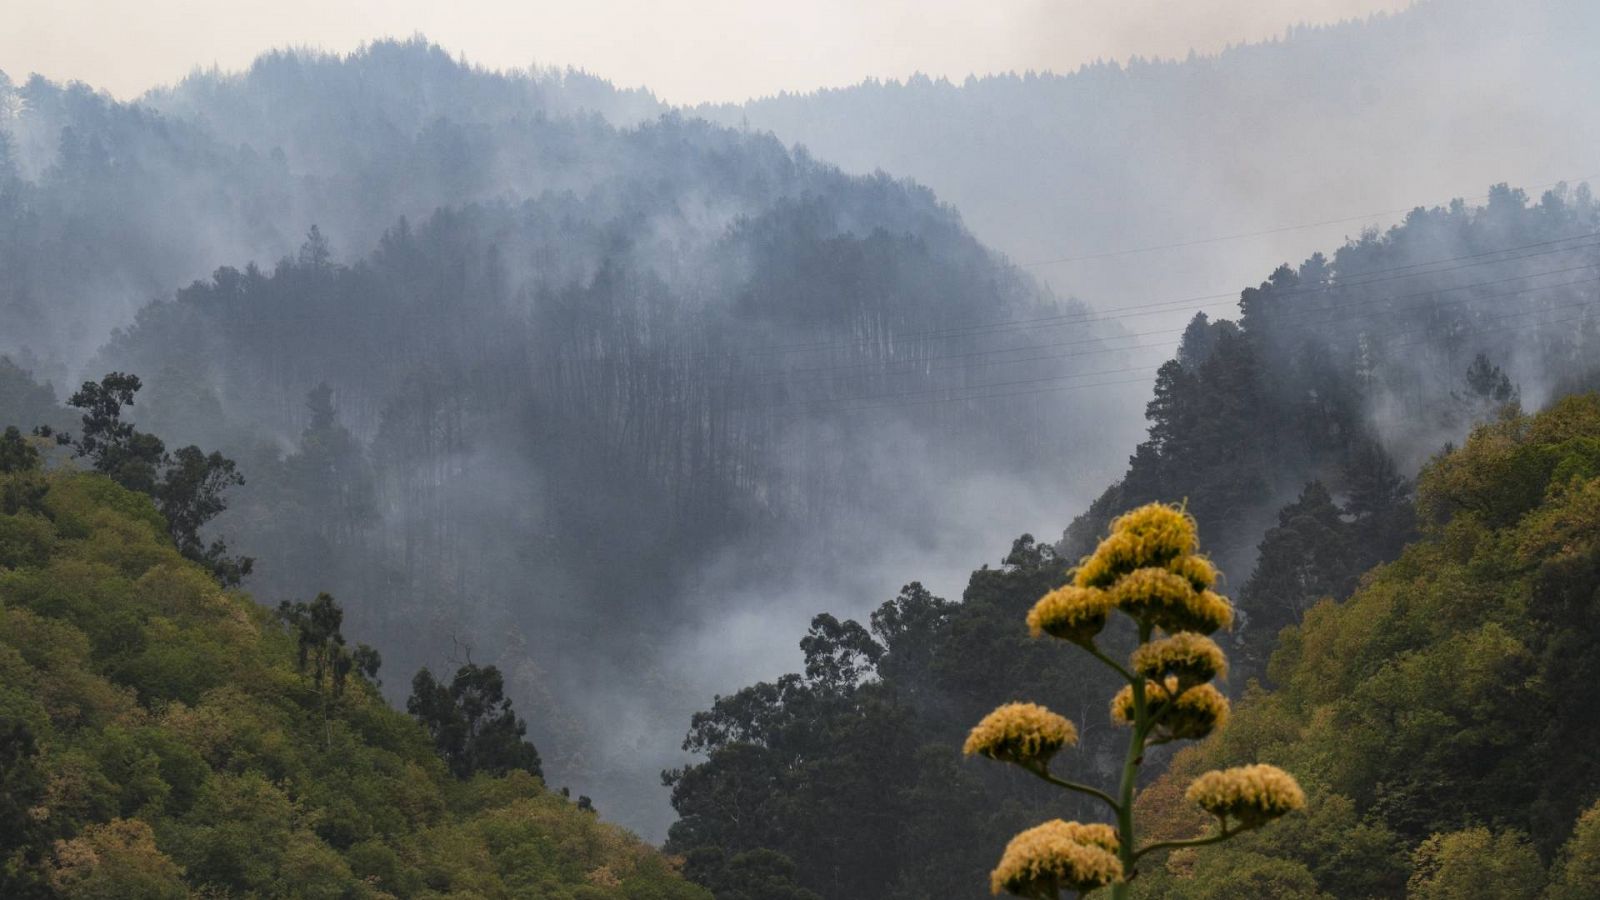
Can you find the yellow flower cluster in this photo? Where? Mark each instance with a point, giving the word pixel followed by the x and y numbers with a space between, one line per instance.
pixel 1191 658
pixel 1189 714
pixel 1254 795
pixel 1170 602
pixel 1095 834
pixel 1057 856
pixel 1071 613
pixel 1148 568
pixel 1152 535
pixel 1197 570
pixel 1023 733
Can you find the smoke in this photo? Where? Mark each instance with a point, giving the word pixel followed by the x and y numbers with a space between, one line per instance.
pixel 1346 125
pixel 601 461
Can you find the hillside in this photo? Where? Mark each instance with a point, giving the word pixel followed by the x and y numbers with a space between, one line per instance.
pixel 1439 716
pixel 517 368
pixel 1436 717
pixel 1289 433
pixel 491 343
pixel 105 205
pixel 160 740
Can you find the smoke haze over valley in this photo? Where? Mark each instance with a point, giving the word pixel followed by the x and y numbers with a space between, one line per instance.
pixel 620 395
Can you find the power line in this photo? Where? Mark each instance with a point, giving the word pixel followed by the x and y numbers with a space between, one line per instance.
pixel 911 366
pixel 1005 396
pixel 822 406
pixel 1357 280
pixel 1127 381
pixel 1482 329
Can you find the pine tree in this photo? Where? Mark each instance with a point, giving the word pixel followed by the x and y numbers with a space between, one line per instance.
pixel 1305 558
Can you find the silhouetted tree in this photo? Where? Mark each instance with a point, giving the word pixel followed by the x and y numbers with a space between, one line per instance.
pixel 1303 559
pixel 16 454
pixel 321 653
pixel 473 725
pixel 132 458
pixel 1488 384
pixel 187 485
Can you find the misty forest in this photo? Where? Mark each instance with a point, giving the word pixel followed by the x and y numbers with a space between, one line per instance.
pixel 1169 478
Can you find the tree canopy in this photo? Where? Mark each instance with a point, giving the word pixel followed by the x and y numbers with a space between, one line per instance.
pixel 161 737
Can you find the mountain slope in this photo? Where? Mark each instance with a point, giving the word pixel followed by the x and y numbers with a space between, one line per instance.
pixel 1450 693
pixel 537 343
pixel 159 739
pixel 1288 433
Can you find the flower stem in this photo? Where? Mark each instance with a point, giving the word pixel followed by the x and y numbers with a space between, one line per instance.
pixel 1220 836
pixel 1113 664
pixel 1080 788
pixel 1122 890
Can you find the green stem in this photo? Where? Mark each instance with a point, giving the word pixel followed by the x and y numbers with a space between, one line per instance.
pixel 1123 889
pixel 1130 774
pixel 1220 836
pixel 1110 662
pixel 1080 788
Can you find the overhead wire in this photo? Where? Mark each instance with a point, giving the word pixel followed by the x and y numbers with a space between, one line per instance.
pixel 829 404
pixel 919 365
pixel 1144 379
pixel 1138 310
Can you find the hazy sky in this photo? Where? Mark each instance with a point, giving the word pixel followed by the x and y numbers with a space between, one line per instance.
pixel 685 50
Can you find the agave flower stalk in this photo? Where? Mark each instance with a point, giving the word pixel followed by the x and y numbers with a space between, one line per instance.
pixel 1148 569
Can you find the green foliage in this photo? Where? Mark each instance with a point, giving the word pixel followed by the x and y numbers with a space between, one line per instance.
pixel 752 875
pixel 1319 549
pixel 1476 862
pixel 472 724
pixel 1230 873
pixel 162 738
pixel 1444 706
pixel 1576 873
pixel 186 484
pixel 16 454
pixel 853 769
pixel 322 655
pixel 118 860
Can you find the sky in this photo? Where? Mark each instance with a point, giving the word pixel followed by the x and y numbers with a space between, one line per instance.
pixel 687 51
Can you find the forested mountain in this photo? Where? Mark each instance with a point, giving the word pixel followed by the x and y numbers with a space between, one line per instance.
pixel 1441 712
pixel 581 396
pixel 163 738
pixel 1288 433
pixel 106 205
pixel 1352 122
pixel 525 369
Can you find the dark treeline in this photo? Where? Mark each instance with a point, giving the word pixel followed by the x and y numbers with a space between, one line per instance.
pixel 1289 433
pixel 1342 374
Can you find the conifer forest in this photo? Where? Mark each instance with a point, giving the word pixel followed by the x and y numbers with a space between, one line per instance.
pixel 748 451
